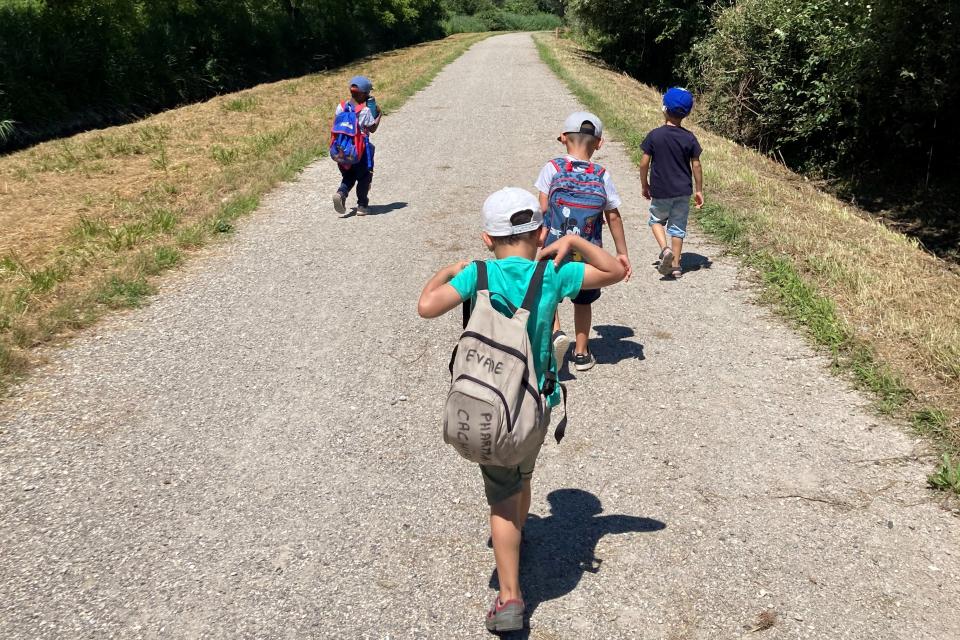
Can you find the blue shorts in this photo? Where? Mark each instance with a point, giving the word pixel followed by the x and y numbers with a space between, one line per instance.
pixel 671 213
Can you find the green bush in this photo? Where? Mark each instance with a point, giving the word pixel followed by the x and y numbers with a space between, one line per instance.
pixel 646 38
pixel 837 87
pixel 498 20
pixel 781 75
pixel 78 63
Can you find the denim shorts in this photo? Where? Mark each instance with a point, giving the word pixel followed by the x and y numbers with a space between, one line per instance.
pixel 671 213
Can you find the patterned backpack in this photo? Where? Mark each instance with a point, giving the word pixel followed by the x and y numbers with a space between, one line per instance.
pixel 576 201
pixel 347 141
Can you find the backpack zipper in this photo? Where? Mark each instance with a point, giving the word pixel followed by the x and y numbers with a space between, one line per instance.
pixel 503 400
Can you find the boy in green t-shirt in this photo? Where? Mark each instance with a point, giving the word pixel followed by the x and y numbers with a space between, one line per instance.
pixel 513 230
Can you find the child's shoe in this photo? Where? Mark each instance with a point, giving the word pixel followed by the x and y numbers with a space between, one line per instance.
pixel 666 262
pixel 505 616
pixel 583 361
pixel 362 210
pixel 560 345
pixel 338 203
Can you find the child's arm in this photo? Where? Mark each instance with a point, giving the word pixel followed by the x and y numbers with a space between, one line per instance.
pixel 602 269
pixel 644 173
pixel 437 296
pixel 698 180
pixel 615 222
pixel 543 202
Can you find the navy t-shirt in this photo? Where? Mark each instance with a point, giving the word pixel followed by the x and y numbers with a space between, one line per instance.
pixel 671 149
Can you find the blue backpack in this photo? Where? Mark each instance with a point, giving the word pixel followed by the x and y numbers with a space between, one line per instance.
pixel 576 201
pixel 347 141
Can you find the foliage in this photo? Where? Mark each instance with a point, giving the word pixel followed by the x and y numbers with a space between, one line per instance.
pixel 646 38
pixel 499 20
pixel 848 86
pixel 946 476
pixel 78 63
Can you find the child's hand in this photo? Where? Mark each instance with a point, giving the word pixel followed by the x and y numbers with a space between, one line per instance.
pixel 698 199
pixel 457 267
pixel 561 248
pixel 645 191
pixel 625 261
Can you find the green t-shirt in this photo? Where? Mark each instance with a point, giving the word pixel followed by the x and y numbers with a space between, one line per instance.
pixel 509 278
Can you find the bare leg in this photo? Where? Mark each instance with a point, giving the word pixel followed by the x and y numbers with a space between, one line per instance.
pixel 582 319
pixel 556 321
pixel 505 531
pixel 525 497
pixel 660 234
pixel 677 248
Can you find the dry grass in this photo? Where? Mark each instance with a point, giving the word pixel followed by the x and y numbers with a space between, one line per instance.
pixel 89 220
pixel 888 295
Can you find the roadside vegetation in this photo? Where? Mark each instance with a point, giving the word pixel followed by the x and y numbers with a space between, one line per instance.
pixel 90 220
pixel 860 95
pixel 71 65
pixel 886 310
pixel 466 16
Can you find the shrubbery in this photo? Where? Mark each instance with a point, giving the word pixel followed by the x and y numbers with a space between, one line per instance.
pixel 863 90
pixel 503 15
pixel 646 38
pixel 76 63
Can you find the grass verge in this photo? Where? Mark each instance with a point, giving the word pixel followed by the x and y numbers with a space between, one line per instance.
pixel 89 221
pixel 888 312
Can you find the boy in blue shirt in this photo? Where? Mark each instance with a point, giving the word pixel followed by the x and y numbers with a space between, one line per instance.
pixel 513 230
pixel 675 154
pixel 361 173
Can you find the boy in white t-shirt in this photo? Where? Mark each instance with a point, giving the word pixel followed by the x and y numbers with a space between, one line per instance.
pixel 361 173
pixel 577 195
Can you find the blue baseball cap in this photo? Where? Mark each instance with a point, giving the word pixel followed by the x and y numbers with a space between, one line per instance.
pixel 678 101
pixel 362 83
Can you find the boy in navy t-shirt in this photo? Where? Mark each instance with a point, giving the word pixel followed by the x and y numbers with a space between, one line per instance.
pixel 675 153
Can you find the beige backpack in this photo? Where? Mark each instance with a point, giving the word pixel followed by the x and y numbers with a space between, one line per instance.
pixel 494 410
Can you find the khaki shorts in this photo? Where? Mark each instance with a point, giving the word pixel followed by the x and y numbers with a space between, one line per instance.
pixel 500 483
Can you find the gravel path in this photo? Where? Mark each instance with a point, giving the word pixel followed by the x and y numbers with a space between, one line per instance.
pixel 257 454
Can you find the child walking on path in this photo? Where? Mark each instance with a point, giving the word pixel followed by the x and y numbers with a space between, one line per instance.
pixel 359 173
pixel 675 154
pixel 577 195
pixel 513 230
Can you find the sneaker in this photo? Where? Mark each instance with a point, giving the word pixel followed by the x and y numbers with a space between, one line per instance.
pixel 505 616
pixel 583 361
pixel 362 211
pixel 338 203
pixel 560 345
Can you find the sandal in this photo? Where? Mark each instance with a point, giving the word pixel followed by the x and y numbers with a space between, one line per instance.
pixel 666 261
pixel 677 273
pixel 505 616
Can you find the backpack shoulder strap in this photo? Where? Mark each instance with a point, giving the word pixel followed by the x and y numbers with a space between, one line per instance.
pixel 558 163
pixel 535 287
pixel 481 275
pixel 481 286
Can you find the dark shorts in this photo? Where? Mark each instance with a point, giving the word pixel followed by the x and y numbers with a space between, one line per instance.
pixel 586 296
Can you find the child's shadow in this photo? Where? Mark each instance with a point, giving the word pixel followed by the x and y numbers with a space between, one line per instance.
pixel 613 346
pixel 694 262
pixel 558 549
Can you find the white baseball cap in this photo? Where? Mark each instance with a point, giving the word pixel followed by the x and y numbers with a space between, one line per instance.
pixel 575 121
pixel 504 203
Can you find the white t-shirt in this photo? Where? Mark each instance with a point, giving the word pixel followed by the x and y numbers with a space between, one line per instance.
pixel 365 119
pixel 548 171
